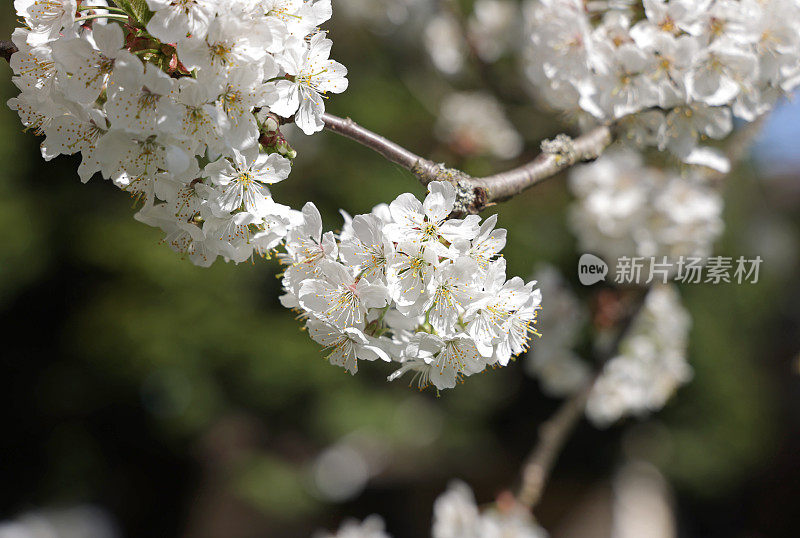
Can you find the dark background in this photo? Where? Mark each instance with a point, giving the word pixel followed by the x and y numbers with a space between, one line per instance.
pixel 187 402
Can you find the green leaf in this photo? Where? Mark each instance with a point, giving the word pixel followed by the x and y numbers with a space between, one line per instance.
pixel 141 11
pixel 124 4
pixel 137 9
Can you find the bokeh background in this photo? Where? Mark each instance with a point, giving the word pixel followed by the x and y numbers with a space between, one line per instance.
pixel 167 400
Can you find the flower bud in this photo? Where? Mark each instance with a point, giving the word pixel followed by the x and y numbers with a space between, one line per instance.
pixel 271 125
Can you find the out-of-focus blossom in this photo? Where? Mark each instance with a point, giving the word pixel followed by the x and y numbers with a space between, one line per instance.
pixel 625 208
pixel 651 363
pixel 494 27
pixel 384 13
pixel 456 515
pixel 689 65
pixel 341 472
pixel 553 362
pixel 372 527
pixel 474 123
pixel 445 43
pixel 642 503
pixel 79 522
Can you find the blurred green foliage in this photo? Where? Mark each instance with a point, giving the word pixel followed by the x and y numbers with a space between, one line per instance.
pixel 126 361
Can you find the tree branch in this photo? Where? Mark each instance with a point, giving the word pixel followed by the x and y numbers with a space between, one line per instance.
pixel 422 168
pixel 553 433
pixel 473 194
pixel 476 194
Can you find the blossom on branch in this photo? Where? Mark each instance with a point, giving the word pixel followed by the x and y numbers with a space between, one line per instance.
pixel 411 286
pixel 177 105
pixel 685 65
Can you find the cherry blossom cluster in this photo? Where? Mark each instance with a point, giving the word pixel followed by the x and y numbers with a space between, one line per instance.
pixel 408 285
pixel 651 363
pixel 674 73
pixel 624 208
pixel 180 105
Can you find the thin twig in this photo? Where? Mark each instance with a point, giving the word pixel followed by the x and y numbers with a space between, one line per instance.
pixel 382 145
pixel 555 431
pixel 552 435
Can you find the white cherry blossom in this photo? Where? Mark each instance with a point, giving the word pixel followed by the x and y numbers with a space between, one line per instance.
pixel 244 177
pixel 88 61
pixel 427 222
pixel 347 346
pixel 339 297
pixel 46 18
pixel 313 75
pixel 174 20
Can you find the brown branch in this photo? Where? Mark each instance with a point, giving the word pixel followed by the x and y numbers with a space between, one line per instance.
pixel 7 48
pixel 557 155
pixel 552 435
pixel 476 194
pixel 386 148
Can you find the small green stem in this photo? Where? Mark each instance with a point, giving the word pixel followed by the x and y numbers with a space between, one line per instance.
pixel 111 16
pixel 105 8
